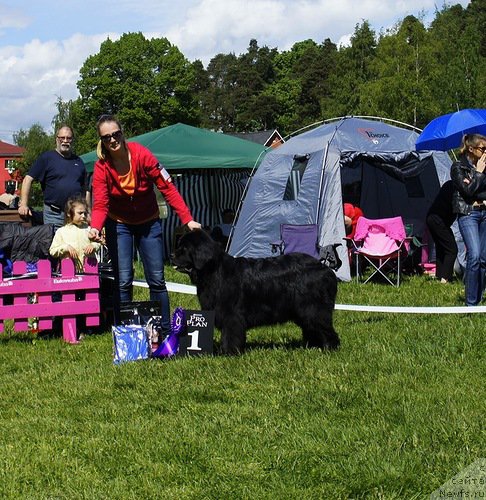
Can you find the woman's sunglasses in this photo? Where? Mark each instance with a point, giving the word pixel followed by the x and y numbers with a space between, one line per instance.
pixel 117 135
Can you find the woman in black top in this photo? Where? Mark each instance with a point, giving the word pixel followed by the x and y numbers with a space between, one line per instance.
pixel 468 202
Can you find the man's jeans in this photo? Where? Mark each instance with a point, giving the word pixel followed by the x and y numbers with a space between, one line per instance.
pixel 147 238
pixel 53 217
pixel 473 231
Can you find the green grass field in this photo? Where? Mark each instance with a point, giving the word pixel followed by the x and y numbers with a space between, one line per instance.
pixel 397 411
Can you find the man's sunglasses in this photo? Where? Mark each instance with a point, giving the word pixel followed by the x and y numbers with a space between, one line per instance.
pixel 482 149
pixel 117 135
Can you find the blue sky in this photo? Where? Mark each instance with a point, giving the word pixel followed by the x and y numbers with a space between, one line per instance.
pixel 43 43
pixel 22 20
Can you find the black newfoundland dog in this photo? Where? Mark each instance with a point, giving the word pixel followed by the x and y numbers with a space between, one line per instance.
pixel 246 293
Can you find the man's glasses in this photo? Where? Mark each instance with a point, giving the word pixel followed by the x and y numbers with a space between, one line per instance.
pixel 482 149
pixel 117 135
pixel 65 138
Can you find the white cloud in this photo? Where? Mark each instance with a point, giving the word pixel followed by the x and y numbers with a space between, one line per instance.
pixel 344 41
pixel 35 75
pixel 214 26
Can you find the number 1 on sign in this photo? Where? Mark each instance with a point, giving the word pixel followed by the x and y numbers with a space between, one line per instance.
pixel 194 341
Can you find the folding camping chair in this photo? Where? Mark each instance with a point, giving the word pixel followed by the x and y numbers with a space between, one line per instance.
pixel 381 243
pixel 297 238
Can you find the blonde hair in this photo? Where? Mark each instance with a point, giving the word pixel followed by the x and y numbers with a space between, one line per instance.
pixel 101 151
pixel 471 141
pixel 71 205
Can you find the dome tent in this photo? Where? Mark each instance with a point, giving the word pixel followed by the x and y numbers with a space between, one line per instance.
pixel 363 160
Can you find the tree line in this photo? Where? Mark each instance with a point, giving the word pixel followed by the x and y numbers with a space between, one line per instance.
pixel 410 73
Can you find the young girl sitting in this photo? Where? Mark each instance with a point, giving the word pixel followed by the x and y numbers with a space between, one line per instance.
pixel 72 240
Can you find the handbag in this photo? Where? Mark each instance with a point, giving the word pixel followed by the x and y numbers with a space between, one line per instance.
pixel 130 343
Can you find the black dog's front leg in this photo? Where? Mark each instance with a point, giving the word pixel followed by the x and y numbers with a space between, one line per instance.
pixel 233 336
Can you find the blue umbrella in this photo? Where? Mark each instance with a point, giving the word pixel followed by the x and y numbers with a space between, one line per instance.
pixel 445 132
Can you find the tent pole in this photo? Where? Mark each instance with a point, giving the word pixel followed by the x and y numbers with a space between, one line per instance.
pixel 324 160
pixel 243 196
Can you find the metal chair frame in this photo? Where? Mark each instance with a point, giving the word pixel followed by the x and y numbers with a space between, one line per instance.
pixel 382 265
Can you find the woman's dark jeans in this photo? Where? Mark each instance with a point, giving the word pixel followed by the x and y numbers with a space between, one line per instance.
pixel 147 239
pixel 473 231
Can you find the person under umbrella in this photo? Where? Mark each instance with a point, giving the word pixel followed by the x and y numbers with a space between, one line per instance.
pixel 469 203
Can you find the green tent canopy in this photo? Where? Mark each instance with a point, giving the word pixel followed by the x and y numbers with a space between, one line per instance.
pixel 181 146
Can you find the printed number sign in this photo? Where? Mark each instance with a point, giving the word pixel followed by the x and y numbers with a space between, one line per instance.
pixel 198 338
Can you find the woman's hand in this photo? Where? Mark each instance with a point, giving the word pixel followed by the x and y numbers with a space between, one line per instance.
pixel 192 224
pixel 481 164
pixel 94 234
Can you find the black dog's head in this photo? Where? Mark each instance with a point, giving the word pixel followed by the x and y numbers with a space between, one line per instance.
pixel 195 250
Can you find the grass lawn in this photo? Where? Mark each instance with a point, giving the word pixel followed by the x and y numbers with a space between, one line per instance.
pixel 397 411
